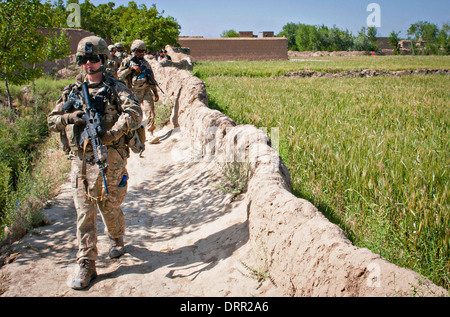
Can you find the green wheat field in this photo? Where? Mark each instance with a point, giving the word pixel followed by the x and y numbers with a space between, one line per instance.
pixel 371 153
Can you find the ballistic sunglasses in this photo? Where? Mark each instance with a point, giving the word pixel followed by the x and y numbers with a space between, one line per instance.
pixel 84 59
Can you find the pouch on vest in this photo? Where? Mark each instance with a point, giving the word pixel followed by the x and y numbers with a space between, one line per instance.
pixel 73 133
pixel 137 141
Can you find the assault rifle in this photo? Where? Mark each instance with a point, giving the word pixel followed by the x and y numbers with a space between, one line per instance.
pixel 146 72
pixel 91 133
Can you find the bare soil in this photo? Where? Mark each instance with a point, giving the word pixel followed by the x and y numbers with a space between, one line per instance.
pixel 184 237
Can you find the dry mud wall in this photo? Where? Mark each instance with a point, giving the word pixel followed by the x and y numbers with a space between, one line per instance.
pixel 306 254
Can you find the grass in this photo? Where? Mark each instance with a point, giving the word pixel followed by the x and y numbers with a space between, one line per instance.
pixel 33 163
pixel 332 64
pixel 371 153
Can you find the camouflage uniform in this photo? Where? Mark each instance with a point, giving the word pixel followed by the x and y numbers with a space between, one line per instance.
pixel 142 88
pixel 125 117
pixel 113 64
pixel 120 54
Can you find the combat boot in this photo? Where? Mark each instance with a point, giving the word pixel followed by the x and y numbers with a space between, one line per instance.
pixel 117 248
pixel 86 273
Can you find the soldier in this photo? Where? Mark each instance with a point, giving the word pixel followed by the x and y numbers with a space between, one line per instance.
pixel 120 114
pixel 120 52
pixel 132 73
pixel 113 64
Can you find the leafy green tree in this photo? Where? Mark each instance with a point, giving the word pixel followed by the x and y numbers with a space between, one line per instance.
pixel 289 32
pixel 394 41
pixel 22 44
pixel 423 30
pixel 362 42
pixel 149 25
pixel 303 37
pixel 436 41
pixel 372 37
pixel 229 33
pixel 443 38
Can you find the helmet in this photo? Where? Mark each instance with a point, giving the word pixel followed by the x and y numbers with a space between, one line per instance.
pixel 93 45
pixel 111 47
pixel 118 45
pixel 138 45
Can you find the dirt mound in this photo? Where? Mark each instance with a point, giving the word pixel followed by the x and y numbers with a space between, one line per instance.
pixel 366 73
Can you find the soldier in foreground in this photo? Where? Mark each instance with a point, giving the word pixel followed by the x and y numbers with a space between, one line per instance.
pixel 135 71
pixel 94 130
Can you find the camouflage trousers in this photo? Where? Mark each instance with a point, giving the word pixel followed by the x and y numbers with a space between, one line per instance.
pixel 145 97
pixel 109 207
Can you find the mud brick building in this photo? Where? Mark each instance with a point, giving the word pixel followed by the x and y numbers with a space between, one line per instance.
pixel 236 49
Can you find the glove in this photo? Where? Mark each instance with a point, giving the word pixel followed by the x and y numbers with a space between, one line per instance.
pixel 73 118
pixel 110 136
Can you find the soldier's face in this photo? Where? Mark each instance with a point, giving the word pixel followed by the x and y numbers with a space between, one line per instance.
pixel 90 67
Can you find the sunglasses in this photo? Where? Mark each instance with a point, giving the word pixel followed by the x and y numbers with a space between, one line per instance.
pixel 140 51
pixel 84 59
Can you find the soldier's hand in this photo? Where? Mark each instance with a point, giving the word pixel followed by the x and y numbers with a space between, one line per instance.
pixel 108 137
pixel 156 97
pixel 136 68
pixel 73 118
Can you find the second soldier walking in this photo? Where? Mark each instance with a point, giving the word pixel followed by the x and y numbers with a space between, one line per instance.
pixel 134 72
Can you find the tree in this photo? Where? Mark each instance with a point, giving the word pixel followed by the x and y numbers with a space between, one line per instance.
pixel 229 33
pixel 423 30
pixel 303 37
pixel 394 40
pixel 372 36
pixel 149 25
pixel 22 44
pixel 443 38
pixel 362 42
pixel 433 37
pixel 289 32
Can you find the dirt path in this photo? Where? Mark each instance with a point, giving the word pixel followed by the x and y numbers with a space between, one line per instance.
pixel 184 237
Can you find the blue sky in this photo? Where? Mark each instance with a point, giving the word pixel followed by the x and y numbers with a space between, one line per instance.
pixel 210 18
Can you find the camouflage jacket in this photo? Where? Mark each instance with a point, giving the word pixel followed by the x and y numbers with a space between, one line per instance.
pixel 132 78
pixel 124 114
pixel 112 66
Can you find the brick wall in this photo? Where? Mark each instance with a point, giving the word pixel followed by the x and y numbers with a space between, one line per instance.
pixel 236 49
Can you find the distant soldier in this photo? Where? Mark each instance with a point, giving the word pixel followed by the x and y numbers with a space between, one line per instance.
pixel 120 52
pixel 113 64
pixel 135 71
pixel 96 186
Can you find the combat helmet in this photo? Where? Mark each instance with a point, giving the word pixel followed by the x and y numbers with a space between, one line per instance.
pixel 93 45
pixel 138 45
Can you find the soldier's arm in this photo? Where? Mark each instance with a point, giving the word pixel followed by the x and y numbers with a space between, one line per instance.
pixel 131 116
pixel 56 121
pixel 124 69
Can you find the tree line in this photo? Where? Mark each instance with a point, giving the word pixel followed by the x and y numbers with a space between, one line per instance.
pixel 24 47
pixel 123 23
pixel 303 37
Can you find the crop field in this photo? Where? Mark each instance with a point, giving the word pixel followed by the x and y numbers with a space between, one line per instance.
pixel 371 153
